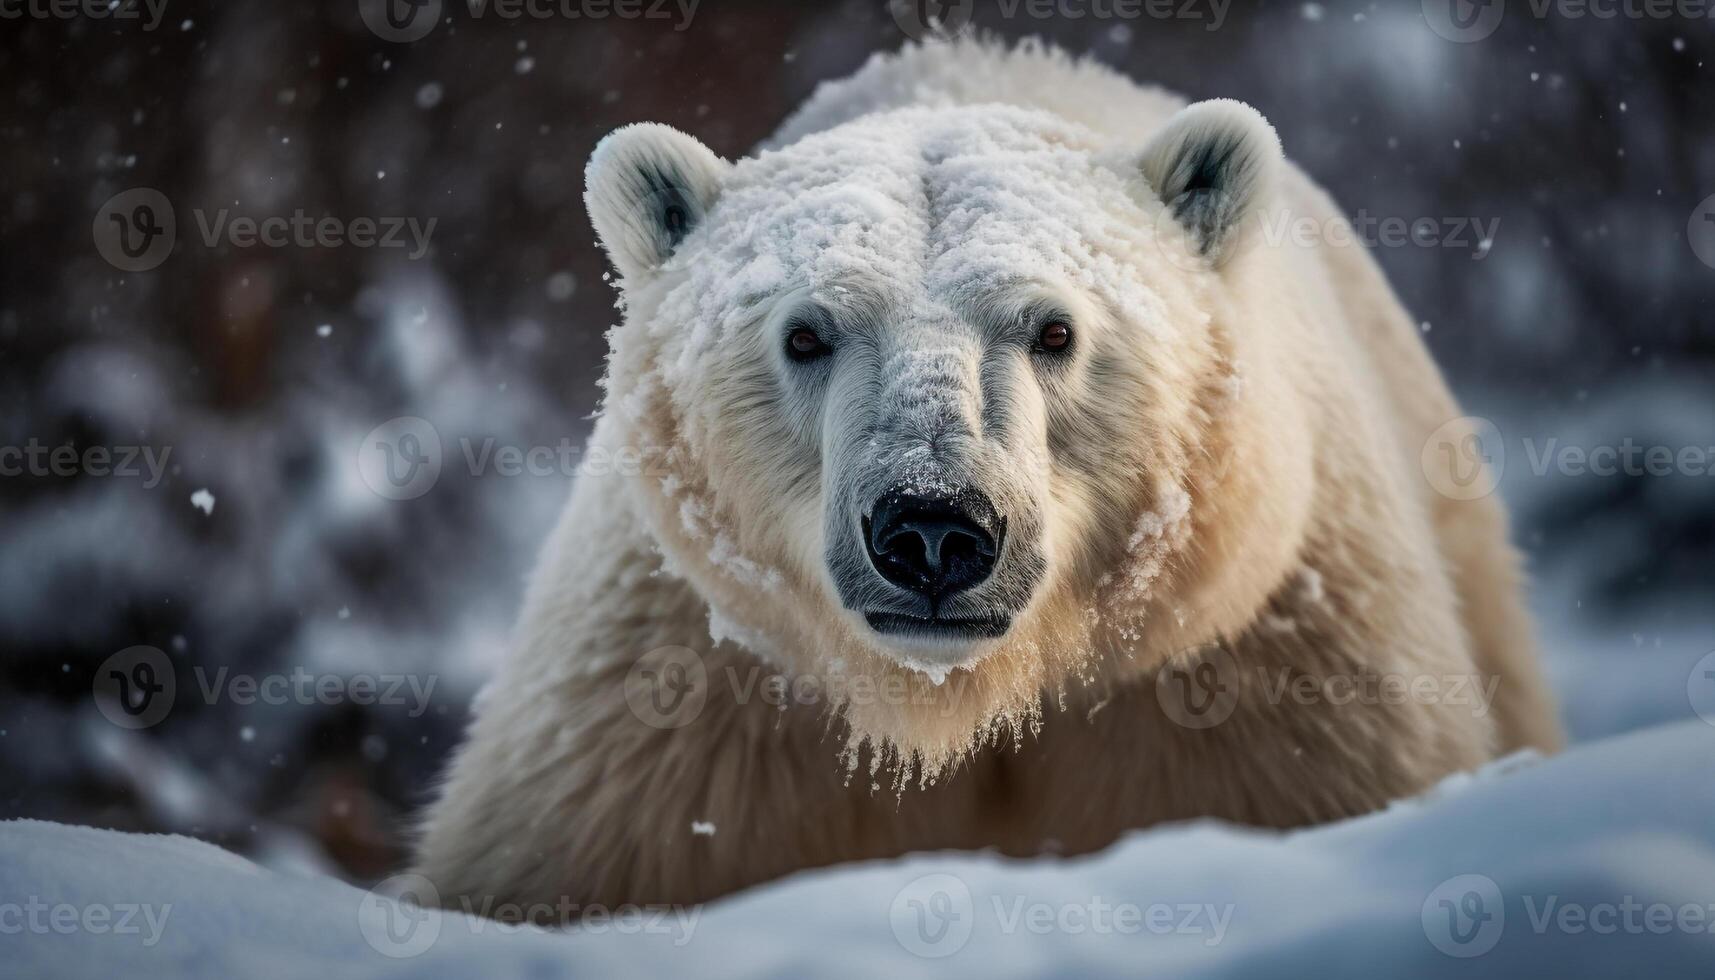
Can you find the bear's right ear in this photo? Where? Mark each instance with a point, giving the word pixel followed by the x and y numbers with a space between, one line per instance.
pixel 647 186
pixel 1213 164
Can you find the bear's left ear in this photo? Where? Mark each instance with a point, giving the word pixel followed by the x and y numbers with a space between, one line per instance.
pixel 646 187
pixel 1213 165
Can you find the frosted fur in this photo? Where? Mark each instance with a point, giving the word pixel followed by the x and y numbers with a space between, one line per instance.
pixel 1230 445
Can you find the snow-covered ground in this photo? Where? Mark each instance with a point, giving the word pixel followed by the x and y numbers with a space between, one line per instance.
pixel 1597 863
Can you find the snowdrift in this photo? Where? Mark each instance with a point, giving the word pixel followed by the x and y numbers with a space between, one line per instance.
pixel 1597 863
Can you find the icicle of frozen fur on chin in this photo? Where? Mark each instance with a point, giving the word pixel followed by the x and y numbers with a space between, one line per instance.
pixel 921 767
pixel 971 712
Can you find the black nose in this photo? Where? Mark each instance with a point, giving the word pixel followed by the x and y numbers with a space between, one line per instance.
pixel 934 545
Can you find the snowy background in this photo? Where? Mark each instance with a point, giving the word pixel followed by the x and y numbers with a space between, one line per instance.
pixel 1585 145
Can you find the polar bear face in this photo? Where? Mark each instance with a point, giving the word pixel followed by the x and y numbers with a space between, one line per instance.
pixel 925 391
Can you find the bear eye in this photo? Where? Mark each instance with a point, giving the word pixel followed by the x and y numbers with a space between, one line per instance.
pixel 803 344
pixel 1055 337
pixel 675 219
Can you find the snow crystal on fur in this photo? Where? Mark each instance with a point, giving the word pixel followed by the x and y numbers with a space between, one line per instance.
pixel 1152 541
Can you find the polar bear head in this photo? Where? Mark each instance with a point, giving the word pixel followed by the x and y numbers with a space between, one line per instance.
pixel 947 393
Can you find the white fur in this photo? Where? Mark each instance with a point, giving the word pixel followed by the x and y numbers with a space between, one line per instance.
pixel 1236 419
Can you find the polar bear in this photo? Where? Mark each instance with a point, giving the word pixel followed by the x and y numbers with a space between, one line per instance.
pixel 976 471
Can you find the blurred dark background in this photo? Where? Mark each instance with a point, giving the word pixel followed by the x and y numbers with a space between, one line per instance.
pixel 1584 318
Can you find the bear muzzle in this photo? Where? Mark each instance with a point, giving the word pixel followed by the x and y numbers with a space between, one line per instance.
pixel 934 543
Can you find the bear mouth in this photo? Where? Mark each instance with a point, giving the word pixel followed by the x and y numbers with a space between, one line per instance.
pixel 937 627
